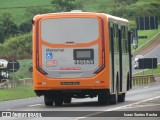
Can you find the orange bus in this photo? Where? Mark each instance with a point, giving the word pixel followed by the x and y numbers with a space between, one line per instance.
pixel 79 55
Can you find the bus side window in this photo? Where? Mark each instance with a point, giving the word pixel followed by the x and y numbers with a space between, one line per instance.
pixel 111 36
pixel 126 38
pixel 115 30
pixel 123 39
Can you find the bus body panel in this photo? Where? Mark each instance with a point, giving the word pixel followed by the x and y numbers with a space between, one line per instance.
pixel 73 60
pixel 62 63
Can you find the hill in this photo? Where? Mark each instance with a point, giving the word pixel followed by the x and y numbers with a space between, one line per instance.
pixel 17 8
pixel 22 12
pixel 125 8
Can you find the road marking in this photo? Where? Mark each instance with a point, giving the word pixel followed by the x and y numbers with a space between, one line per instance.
pixel 35 105
pixel 146 87
pixel 136 103
pixel 140 106
pixel 123 107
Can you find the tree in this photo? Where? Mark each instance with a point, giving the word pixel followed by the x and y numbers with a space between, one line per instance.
pixel 26 26
pixel 66 5
pixel 7 26
pixel 1 34
pixel 125 2
pixel 31 12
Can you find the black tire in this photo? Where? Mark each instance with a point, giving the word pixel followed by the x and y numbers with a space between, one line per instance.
pixel 48 100
pixel 58 100
pixel 103 98
pixel 67 100
pixel 129 84
pixel 121 98
pixel 114 97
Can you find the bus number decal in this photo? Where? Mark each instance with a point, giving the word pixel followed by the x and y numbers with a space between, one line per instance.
pixel 84 62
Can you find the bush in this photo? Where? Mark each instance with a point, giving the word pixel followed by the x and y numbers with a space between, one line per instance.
pixel 19 47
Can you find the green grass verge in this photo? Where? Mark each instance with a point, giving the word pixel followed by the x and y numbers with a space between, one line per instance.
pixel 149 72
pixel 23 71
pixel 143 43
pixel 16 93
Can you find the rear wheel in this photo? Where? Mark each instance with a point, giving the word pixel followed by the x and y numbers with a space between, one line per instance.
pixel 67 100
pixel 103 98
pixel 121 98
pixel 114 97
pixel 48 100
pixel 58 100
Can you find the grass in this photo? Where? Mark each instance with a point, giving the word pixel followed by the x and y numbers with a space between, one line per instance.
pixel 149 71
pixel 16 93
pixel 23 71
pixel 142 43
pixel 18 7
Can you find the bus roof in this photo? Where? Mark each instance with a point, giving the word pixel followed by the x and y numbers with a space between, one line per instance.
pixel 80 12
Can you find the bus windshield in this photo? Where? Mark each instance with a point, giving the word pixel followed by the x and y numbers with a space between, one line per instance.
pixel 63 30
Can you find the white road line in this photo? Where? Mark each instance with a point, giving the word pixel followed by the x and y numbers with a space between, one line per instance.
pixel 133 104
pixel 35 105
pixel 122 107
pixel 140 106
pixel 146 87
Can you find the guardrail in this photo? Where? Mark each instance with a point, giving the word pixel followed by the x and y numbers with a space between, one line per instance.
pixel 143 80
pixel 6 83
pixel 136 81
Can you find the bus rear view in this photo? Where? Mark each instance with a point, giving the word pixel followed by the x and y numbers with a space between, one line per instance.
pixel 69 57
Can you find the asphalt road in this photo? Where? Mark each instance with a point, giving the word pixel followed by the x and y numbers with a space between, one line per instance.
pixel 155 53
pixel 145 98
pixel 138 99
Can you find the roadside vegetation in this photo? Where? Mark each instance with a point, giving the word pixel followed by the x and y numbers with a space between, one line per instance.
pixel 23 72
pixel 151 37
pixel 149 71
pixel 16 17
pixel 16 93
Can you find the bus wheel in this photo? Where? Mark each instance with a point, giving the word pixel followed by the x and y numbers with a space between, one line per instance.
pixel 103 98
pixel 121 98
pixel 67 100
pixel 58 101
pixel 114 97
pixel 48 100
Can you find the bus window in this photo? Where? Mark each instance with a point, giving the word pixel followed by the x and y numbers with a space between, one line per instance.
pixel 115 32
pixel 77 30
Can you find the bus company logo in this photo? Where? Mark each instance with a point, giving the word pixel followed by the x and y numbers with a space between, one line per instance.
pixel 6 114
pixel 49 55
